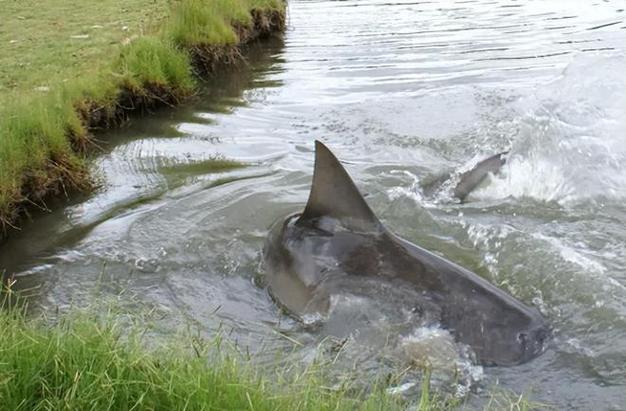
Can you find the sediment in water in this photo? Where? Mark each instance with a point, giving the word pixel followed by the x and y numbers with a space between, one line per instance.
pixel 42 154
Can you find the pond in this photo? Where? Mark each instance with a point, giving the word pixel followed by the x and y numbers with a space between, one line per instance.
pixel 402 92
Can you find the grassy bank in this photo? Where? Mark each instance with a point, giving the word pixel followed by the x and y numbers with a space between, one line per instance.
pixel 70 70
pixel 89 362
pixel 98 359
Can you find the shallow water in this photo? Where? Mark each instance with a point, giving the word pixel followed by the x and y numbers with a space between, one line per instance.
pixel 402 92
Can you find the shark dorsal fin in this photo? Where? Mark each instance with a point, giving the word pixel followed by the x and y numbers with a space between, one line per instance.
pixel 333 194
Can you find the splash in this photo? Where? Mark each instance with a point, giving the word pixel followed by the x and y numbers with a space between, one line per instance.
pixel 451 363
pixel 571 144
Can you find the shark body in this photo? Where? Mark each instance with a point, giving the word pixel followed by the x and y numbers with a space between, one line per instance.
pixel 337 242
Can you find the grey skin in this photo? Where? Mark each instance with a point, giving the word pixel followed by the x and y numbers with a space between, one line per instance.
pixel 468 181
pixel 471 179
pixel 338 240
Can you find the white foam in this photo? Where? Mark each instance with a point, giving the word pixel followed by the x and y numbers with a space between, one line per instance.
pixel 570 143
pixel 412 191
pixel 401 389
pixel 572 255
pixel 436 349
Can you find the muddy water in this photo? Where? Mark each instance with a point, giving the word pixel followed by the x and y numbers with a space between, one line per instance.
pixel 403 92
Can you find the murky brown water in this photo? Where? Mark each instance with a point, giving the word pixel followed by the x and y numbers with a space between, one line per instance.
pixel 402 91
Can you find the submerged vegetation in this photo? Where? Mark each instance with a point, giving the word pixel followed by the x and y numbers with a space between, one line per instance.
pixel 63 89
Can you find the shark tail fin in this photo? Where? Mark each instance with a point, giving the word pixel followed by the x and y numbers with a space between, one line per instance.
pixel 472 179
pixel 334 194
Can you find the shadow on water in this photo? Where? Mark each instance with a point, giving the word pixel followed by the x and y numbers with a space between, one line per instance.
pixel 48 231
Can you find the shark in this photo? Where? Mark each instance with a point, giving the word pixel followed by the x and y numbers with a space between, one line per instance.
pixel 338 242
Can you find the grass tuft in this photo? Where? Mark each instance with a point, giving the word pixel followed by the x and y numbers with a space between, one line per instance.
pixel 196 22
pixel 89 361
pixel 152 68
pixel 103 357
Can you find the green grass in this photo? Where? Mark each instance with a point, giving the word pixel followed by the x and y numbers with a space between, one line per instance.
pixel 100 358
pixel 194 23
pixel 45 43
pixel 69 68
pixel 85 361
pixel 112 355
pixel 158 63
